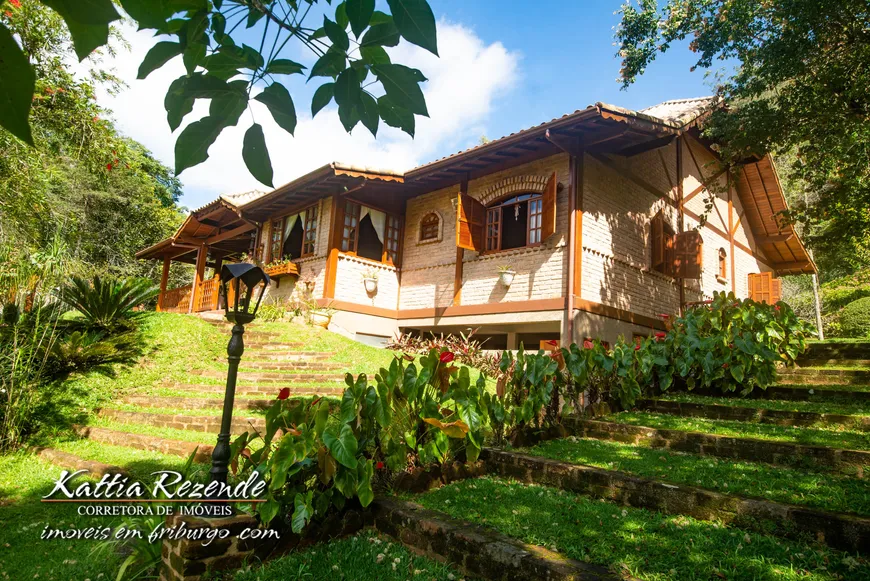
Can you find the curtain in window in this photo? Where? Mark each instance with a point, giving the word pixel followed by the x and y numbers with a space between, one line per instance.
pixel 378 218
pixel 291 220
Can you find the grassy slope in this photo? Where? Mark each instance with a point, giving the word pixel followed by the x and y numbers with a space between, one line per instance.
pixel 844 407
pixel 831 436
pixel 825 491
pixel 650 546
pixel 364 557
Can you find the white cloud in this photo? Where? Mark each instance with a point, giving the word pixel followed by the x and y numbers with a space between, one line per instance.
pixel 462 88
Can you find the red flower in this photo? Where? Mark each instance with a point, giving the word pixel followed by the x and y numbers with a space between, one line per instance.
pixel 588 344
pixel 664 316
pixel 96 119
pixel 379 465
pixel 8 14
pixel 776 307
pixel 109 166
pixel 724 366
pixel 661 335
pixel 15 3
pixel 284 393
pixel 554 343
pixel 447 357
pixel 637 347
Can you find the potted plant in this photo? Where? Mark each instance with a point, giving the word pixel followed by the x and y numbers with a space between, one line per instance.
pixel 320 316
pixel 506 275
pixel 370 280
pixel 281 267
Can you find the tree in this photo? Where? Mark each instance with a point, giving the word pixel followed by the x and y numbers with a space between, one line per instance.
pixel 361 79
pixel 92 195
pixel 799 90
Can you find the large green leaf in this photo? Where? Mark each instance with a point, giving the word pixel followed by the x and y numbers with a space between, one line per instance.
pixel 385 34
pixel 329 65
pixel 16 87
pixel 87 20
pixel 154 13
pixel 359 13
pixel 368 112
pixel 322 96
pixel 401 86
pixel 191 147
pixel 268 510
pixel 256 155
pixel 365 472
pixel 158 56
pixel 228 108
pixel 302 511
pixel 347 89
pixel 177 102
pixel 342 446
pixel 374 55
pixel 284 67
pixel 396 116
pixel 415 22
pixel 336 34
pixel 277 98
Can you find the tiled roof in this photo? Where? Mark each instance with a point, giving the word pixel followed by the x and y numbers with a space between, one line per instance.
pixel 680 111
pixel 241 198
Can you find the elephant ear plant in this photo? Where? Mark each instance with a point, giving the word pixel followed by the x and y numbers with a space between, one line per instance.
pixel 316 456
pixel 725 344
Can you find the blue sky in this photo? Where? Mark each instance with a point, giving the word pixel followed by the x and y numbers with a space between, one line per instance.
pixel 505 65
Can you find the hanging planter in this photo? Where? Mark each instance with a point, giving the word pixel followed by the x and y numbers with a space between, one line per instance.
pixel 370 281
pixel 506 275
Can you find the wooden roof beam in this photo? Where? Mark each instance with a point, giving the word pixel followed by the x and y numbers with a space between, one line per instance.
pixel 773 238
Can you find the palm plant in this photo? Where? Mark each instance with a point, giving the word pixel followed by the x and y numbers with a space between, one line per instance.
pixel 107 304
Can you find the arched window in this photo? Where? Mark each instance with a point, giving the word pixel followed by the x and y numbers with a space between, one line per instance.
pixel 723 269
pixel 430 227
pixel 514 223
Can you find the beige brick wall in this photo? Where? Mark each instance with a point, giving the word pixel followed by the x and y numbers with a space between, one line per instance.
pixel 349 282
pixel 428 269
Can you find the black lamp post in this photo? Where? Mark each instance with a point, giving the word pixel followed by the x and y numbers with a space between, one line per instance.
pixel 248 285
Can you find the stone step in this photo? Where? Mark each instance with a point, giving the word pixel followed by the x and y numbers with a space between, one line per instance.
pixel 750 414
pixel 72 462
pixel 192 403
pixel 271 346
pixel 750 449
pixel 798 393
pixel 261 390
pixel 823 376
pixel 146 442
pixel 848 532
pixel 273 377
pixel 837 351
pixel 206 424
pixel 833 362
pixel 276 355
pixel 251 365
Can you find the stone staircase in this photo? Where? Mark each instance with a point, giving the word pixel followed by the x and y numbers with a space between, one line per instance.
pixel 186 415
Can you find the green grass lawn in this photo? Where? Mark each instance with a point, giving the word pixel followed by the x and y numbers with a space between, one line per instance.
pixel 828 387
pixel 846 408
pixel 820 490
pixel 364 557
pixel 831 436
pixel 647 545
pixel 24 480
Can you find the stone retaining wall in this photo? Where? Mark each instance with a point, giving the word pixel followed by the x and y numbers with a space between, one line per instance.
pixel 842 531
pixel 741 414
pixel 751 449
pixel 210 424
pixel 479 550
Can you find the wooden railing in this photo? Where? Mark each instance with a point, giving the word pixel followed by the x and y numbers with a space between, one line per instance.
pixel 207 296
pixel 176 300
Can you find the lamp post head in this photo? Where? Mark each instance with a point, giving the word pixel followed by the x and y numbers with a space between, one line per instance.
pixel 243 286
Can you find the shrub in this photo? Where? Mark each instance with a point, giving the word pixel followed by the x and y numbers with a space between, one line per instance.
pixel 107 304
pixel 854 319
pixel 468 350
pixel 725 344
pixel 314 459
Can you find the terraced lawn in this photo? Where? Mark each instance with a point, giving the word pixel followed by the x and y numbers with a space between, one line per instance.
pixel 854 408
pixel 363 557
pixel 820 490
pixel 831 436
pixel 647 545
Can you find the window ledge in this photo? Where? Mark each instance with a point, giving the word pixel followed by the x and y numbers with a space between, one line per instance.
pixel 430 241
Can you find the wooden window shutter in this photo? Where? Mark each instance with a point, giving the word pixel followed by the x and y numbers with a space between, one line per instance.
pixel 470 217
pixel 688 256
pixel 657 241
pixel 775 290
pixel 548 212
pixel 763 288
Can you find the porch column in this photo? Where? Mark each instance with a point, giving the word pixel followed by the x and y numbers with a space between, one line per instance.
pixel 164 278
pixel 201 254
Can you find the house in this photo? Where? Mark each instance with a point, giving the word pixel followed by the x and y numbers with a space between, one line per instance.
pixel 600 214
